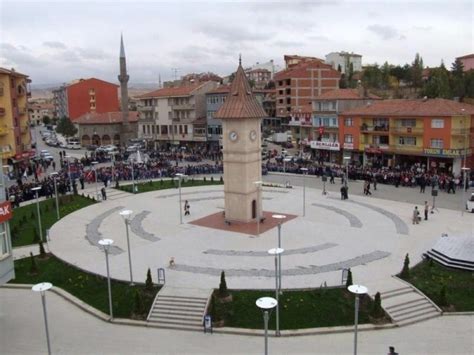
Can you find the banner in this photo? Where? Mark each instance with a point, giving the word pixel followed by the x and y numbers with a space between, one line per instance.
pixel 5 211
pixel 325 145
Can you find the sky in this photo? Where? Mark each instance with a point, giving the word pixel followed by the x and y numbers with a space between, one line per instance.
pixel 58 41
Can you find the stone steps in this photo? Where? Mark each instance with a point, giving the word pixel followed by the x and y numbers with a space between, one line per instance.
pixel 179 308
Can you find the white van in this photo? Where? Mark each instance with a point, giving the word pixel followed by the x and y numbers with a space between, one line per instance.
pixel 73 145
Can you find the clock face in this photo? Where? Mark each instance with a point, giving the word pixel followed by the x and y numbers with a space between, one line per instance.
pixel 233 136
pixel 253 135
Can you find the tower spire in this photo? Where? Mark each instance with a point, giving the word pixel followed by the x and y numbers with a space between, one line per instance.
pixel 123 79
pixel 122 49
pixel 240 59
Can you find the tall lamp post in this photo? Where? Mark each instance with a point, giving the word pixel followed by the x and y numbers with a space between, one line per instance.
pixel 266 304
pixel 259 205
pixel 42 288
pixel 106 243
pixel 305 172
pixel 357 290
pixel 54 175
pixel 180 177
pixel 36 190
pixel 465 171
pixel 94 166
pixel 277 252
pixel 126 215
pixel 346 163
pixel 285 160
pixel 280 219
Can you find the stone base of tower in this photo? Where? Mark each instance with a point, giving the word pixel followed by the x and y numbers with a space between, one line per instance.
pixel 241 207
pixel 218 221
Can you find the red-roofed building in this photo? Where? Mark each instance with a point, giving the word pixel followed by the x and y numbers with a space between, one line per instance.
pixel 104 128
pixel 437 133
pixel 175 115
pixel 83 96
pixel 467 61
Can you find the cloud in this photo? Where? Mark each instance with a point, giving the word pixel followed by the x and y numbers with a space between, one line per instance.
pixel 91 53
pixel 54 44
pixel 229 33
pixel 385 32
pixel 422 28
pixel 283 43
pixel 318 38
pixel 18 57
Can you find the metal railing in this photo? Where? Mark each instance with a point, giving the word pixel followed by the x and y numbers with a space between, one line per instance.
pixel 407 130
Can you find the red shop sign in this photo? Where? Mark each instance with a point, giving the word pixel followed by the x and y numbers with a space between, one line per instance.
pixel 5 211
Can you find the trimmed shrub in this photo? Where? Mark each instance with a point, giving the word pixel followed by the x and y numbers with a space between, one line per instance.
pixel 377 311
pixel 205 179
pixel 36 238
pixel 149 281
pixel 212 178
pixel 42 252
pixel 138 307
pixel 405 274
pixel 222 179
pixel 223 292
pixel 349 278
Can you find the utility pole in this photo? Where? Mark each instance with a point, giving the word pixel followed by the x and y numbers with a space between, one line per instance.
pixel 175 73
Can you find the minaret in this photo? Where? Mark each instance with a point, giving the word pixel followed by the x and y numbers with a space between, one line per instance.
pixel 159 81
pixel 123 79
pixel 241 116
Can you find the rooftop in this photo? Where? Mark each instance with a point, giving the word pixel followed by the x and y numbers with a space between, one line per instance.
pixel 346 94
pixel 466 56
pixel 185 90
pixel 301 69
pixel 413 108
pixel 106 118
pixel 12 72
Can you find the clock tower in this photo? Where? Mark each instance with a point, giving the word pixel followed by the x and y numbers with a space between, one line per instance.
pixel 241 116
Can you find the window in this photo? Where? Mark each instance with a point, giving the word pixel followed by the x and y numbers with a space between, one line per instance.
pixel 4 247
pixel 185 129
pixel 407 140
pixel 348 122
pixel 348 138
pixel 180 129
pixel 436 143
pixel 380 140
pixel 437 123
pixel 408 123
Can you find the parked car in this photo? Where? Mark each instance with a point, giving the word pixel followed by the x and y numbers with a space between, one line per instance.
pixel 44 152
pixel 470 203
pixel 92 147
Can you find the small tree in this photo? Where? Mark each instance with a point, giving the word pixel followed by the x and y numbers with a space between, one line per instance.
pixel 405 274
pixel 33 267
pixel 66 127
pixel 46 120
pixel 223 292
pixel 443 300
pixel 149 281
pixel 349 278
pixel 36 238
pixel 42 252
pixel 377 311
pixel 138 303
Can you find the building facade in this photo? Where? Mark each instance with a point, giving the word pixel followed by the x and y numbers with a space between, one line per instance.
pixel 467 61
pixel 37 111
pixel 7 270
pixel 436 133
pixel 344 59
pixel 104 128
pixel 15 136
pixel 175 116
pixel 85 95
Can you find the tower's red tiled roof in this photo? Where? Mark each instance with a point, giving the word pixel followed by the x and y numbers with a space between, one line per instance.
pixel 106 118
pixel 240 102
pixel 411 108
pixel 345 94
pixel 184 90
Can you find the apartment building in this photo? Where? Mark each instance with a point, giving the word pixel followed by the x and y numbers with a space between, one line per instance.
pixel 36 112
pixel 85 95
pixel 436 133
pixel 467 62
pixel 299 84
pixel 175 116
pixel 344 60
pixel 15 136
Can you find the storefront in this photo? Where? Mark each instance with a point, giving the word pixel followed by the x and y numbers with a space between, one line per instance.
pixel 446 160
pixel 328 152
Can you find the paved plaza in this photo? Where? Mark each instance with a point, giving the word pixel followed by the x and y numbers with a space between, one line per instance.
pixel 369 235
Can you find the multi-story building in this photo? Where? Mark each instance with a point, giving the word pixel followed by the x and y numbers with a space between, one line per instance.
pixel 437 133
pixel 214 100
pixel 7 270
pixel 258 77
pixel 344 59
pixel 104 128
pixel 85 95
pixel 15 137
pixel 320 131
pixel 175 116
pixel 467 61
pixel 37 111
pixel 302 81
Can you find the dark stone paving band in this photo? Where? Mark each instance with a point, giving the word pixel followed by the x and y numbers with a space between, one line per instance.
pixel 137 228
pixel 306 250
pixel 92 231
pixel 353 220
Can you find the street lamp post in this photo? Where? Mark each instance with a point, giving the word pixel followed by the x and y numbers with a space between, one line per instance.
pixel 285 160
pixel 94 165
pixel 36 190
pixel 259 205
pixel 465 171
pixel 280 217
pixel 266 304
pixel 126 214
pixel 180 177
pixel 54 175
pixel 277 252
pixel 106 243
pixel 346 162
pixel 305 172
pixel 357 290
pixel 42 288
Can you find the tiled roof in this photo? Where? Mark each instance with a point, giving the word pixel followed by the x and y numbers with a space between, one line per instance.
pixel 345 94
pixel 225 89
pixel 184 90
pixel 407 108
pixel 106 118
pixel 240 102
pixel 466 56
pixel 79 81
pixel 300 70
pixel 12 72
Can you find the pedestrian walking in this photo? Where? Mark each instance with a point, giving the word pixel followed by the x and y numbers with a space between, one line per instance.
pixel 104 194
pixel 391 351
pixel 427 208
pixel 416 214
pixel 186 208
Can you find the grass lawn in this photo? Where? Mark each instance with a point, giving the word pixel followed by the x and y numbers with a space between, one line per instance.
pixel 89 288
pixel 24 224
pixel 429 277
pixel 168 184
pixel 298 309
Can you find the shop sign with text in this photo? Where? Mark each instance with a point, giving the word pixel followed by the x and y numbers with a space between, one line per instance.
pixel 325 145
pixel 5 211
pixel 446 152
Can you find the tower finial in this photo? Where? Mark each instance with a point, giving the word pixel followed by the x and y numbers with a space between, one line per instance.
pixel 240 59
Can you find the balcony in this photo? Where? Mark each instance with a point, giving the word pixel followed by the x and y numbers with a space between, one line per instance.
pixel 407 130
pixel 369 129
pixel 183 107
pixel 376 148
pixel 460 131
pixel 147 108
